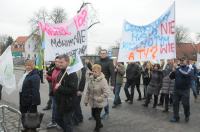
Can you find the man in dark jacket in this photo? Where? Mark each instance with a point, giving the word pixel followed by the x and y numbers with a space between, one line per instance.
pixel 132 74
pixel 65 94
pixel 78 116
pixel 182 90
pixel 108 70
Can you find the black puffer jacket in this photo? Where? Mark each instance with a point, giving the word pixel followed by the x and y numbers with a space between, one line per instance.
pixel 107 69
pixel 66 93
pixel 30 94
pixel 133 73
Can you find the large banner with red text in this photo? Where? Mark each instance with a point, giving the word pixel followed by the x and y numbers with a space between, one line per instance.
pixel 65 38
pixel 154 41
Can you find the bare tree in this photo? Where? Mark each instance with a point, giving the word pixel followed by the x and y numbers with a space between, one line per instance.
pixel 58 15
pixel 42 15
pixel 3 39
pixel 182 35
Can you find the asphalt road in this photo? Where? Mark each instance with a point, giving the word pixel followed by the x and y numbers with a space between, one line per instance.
pixel 125 118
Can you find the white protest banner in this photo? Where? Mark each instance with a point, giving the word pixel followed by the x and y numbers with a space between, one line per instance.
pixel 154 41
pixel 65 38
pixel 7 76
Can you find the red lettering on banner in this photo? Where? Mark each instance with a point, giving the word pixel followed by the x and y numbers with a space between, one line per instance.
pixel 168 27
pixel 167 48
pixel 154 50
pixel 54 31
pixel 80 19
pixel 140 52
pixel 131 56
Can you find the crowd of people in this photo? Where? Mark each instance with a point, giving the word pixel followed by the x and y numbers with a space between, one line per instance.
pixel 167 84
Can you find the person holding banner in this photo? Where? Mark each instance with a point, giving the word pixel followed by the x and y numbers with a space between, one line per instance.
pixel 154 86
pixel 52 76
pixel 48 77
pixel 65 94
pixel 108 70
pixel 182 76
pixel 119 73
pixel 132 75
pixel 167 86
pixel 146 76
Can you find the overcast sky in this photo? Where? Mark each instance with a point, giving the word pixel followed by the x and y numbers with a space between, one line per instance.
pixel 15 14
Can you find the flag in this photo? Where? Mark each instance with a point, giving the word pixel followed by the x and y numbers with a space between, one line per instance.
pixel 39 62
pixel 75 64
pixel 7 76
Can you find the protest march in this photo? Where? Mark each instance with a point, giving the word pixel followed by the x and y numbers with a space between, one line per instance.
pixel 77 70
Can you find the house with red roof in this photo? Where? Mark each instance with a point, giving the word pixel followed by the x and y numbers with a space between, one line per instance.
pixel 18 46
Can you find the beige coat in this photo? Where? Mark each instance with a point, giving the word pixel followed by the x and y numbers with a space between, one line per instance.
pixel 97 91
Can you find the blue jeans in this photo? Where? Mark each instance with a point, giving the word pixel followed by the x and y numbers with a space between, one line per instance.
pixel 117 90
pixel 194 87
pixel 54 109
pixel 106 108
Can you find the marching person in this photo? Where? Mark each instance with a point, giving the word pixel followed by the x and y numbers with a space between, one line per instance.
pixel 48 77
pixel 108 70
pixel 154 86
pixel 167 86
pixel 1 91
pixel 65 93
pixel 193 78
pixel 119 74
pixel 78 116
pixel 29 90
pixel 138 82
pixel 132 75
pixel 96 93
pixel 182 76
pixel 146 75
pixel 52 76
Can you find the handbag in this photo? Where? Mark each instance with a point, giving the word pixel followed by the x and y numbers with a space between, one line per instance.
pixel 32 120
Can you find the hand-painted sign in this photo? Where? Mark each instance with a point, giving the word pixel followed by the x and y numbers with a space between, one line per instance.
pixel 154 41
pixel 65 38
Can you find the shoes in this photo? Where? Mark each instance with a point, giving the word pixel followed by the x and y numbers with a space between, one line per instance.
pixel 127 100
pixel 174 120
pixel 105 116
pixel 91 118
pixel 130 102
pixel 160 104
pixel 51 125
pixel 139 99
pixel 187 119
pixel 114 106
pixel 47 108
pixel 97 129
pixel 165 111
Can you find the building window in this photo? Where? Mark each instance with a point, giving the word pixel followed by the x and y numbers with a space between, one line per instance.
pixel 16 46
